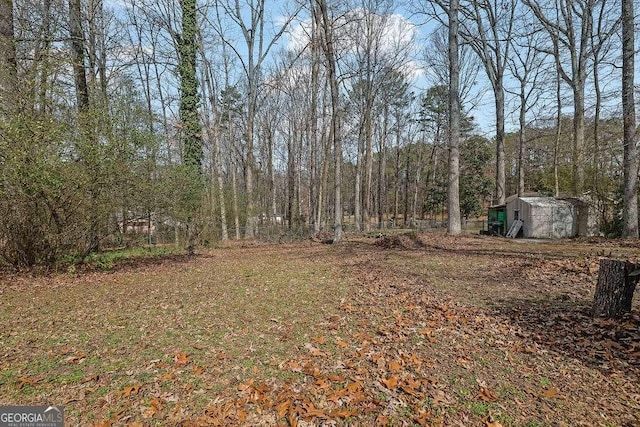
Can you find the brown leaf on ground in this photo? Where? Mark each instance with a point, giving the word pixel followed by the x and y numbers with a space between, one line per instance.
pixel 391 382
pixel 487 395
pixel 510 312
pixel 130 390
pixel 22 381
pixel 341 343
pixel 181 358
pixel 553 393
pixel 78 358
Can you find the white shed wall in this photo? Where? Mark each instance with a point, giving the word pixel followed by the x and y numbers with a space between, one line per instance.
pixel 543 217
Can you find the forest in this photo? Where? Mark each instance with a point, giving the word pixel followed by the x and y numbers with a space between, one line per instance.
pixel 133 122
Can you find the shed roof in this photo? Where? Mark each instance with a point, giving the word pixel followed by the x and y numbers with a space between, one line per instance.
pixel 544 201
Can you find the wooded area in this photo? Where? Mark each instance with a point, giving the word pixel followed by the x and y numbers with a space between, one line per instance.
pixel 197 121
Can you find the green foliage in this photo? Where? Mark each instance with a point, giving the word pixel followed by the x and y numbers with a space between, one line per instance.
pixel 436 197
pixel 107 260
pixel 41 207
pixel 62 184
pixel 613 227
pixel 475 186
pixel 189 97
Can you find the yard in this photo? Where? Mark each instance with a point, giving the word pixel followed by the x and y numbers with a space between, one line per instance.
pixel 397 330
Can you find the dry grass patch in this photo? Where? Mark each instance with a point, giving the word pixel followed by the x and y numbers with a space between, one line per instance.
pixel 178 332
pixel 417 330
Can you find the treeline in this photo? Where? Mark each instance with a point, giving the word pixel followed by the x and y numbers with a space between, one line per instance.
pixel 192 122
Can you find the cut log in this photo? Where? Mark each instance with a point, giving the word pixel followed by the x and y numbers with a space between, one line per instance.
pixel 614 292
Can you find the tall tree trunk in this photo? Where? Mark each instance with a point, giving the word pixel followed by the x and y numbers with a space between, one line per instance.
pixel 382 171
pixel 556 142
pixel 314 192
pixel 324 180
pixel 250 213
pixel 407 181
pixel 416 187
pixel 578 139
pixel 630 208
pixel 191 132
pixel 291 190
pixel 595 159
pixel 335 131
pixel 368 162
pixel 521 139
pixel 8 63
pixel 88 146
pixel 77 51
pixel 453 190
pixel 216 163
pixel 273 209
pixel 396 190
pixel 500 157
pixel 234 188
pixel 357 204
pixel 42 55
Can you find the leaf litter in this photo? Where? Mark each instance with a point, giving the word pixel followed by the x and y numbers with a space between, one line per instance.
pixel 418 330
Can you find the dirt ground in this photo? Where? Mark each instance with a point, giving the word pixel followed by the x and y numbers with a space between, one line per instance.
pixel 398 330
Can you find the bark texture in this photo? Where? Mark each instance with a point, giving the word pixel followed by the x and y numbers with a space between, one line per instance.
pixel 453 196
pixel 614 291
pixel 630 209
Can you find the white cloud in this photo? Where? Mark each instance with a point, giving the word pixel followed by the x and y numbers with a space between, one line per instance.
pixel 393 35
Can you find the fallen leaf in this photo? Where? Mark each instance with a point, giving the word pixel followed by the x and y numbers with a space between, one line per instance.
pixel 78 358
pixel 181 358
pixel 22 381
pixel 319 340
pixel 129 390
pixel 343 413
pixel 340 343
pixel 169 376
pixel 382 420
pixel 553 393
pixel 394 366
pixel 391 382
pixel 283 407
pixel 487 395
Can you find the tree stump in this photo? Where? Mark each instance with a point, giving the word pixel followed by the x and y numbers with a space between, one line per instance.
pixel 614 292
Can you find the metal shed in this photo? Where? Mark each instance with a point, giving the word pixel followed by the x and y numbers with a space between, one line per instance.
pixel 543 217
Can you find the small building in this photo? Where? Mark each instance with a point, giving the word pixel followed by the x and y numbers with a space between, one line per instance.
pixel 549 217
pixel 496 220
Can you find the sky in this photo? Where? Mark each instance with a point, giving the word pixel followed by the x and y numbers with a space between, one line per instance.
pixel 404 27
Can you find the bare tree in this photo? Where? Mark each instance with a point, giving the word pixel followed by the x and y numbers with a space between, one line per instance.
pixel 380 51
pixel 453 189
pixel 525 64
pixel 569 25
pixel 488 29
pixel 335 137
pixel 251 23
pixel 469 66
pixel 606 26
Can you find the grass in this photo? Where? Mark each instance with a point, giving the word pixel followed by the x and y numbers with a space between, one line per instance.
pixel 108 259
pixel 193 333
pixel 233 315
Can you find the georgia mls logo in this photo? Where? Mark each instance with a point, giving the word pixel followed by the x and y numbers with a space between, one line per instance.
pixel 31 416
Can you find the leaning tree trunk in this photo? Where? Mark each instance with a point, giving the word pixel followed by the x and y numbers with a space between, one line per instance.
pixel 614 292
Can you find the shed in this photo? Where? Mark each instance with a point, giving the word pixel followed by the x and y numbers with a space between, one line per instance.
pixel 544 217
